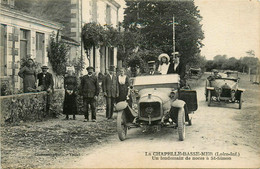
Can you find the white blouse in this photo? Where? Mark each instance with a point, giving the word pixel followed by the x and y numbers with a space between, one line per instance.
pixel 163 69
pixel 121 79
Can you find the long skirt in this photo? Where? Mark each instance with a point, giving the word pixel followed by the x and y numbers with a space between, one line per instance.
pixel 70 106
pixel 28 83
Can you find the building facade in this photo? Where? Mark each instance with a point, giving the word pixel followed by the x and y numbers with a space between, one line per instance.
pixel 98 11
pixel 22 36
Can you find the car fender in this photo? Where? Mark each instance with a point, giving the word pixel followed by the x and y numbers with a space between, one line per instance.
pixel 241 90
pixel 178 103
pixel 121 106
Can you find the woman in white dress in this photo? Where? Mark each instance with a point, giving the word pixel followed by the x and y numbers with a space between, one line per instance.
pixel 163 63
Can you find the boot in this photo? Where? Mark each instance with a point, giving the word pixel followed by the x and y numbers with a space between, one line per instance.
pixel 74 117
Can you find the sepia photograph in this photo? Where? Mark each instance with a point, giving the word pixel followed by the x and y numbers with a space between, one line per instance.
pixel 130 83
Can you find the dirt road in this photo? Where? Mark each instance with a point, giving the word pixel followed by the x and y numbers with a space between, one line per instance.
pixel 218 130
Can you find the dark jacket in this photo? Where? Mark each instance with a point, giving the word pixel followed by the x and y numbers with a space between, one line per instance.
pixel 89 87
pixel 45 81
pixel 110 86
pixel 171 68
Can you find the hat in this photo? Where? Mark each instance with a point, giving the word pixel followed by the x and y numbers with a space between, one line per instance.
pixel 151 62
pixel 163 55
pixel 44 67
pixel 90 67
pixel 111 68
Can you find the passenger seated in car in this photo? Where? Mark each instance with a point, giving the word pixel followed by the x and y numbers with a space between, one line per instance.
pixel 152 68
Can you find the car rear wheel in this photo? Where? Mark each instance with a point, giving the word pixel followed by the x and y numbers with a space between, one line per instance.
pixel 206 91
pixel 121 125
pixel 181 124
pixel 209 97
pixel 240 101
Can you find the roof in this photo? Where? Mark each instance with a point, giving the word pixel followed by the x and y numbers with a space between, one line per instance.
pixel 69 40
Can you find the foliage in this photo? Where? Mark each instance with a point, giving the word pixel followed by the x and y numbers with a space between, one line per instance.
pixel 198 62
pixel 243 64
pixel 141 58
pixel 5 88
pixel 128 43
pixel 154 21
pixel 92 35
pixel 78 64
pixel 58 56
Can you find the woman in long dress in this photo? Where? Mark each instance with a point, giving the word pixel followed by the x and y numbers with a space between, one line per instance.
pixel 29 76
pixel 124 84
pixel 70 106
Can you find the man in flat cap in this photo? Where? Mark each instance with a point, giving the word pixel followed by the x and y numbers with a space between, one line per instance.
pixel 111 91
pixel 89 89
pixel 46 84
pixel 152 68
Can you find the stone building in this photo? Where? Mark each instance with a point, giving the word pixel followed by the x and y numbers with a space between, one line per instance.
pixel 99 11
pixel 22 36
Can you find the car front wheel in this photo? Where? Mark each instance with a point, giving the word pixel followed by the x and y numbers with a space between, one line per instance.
pixel 121 125
pixel 181 124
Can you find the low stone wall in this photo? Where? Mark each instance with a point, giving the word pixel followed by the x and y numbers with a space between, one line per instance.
pixel 31 106
pixel 28 106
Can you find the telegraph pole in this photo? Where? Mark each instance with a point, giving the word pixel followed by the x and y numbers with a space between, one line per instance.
pixel 173 37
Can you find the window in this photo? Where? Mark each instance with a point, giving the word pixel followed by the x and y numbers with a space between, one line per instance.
pixel 108 15
pixel 24 43
pixel 40 47
pixel 3 47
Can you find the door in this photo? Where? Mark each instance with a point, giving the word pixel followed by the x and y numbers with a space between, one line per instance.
pixel 39 47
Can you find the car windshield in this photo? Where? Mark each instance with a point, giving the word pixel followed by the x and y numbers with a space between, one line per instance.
pixel 156 81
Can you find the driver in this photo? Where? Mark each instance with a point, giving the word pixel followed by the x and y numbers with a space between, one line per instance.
pixel 152 68
pixel 216 75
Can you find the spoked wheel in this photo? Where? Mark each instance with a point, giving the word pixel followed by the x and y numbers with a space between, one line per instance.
pixel 209 97
pixel 181 124
pixel 240 101
pixel 121 125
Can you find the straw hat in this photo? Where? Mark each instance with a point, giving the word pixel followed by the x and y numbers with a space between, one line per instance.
pixel 163 55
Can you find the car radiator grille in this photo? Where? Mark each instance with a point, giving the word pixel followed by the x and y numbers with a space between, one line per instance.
pixel 152 108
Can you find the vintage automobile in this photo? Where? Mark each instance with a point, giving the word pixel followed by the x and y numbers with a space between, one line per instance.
pixel 224 88
pixel 195 73
pixel 160 102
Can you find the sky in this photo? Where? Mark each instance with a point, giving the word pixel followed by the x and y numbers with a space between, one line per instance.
pixel 231 27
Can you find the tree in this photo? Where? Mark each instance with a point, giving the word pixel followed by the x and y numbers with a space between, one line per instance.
pixel 58 56
pixel 154 19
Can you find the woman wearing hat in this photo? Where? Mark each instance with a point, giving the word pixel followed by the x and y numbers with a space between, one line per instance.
pixel 29 76
pixel 163 63
pixel 70 100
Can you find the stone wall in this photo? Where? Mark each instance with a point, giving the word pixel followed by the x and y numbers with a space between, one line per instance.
pixel 28 106
pixel 31 106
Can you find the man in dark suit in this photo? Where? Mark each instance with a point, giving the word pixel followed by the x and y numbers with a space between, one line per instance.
pixel 46 84
pixel 89 89
pixel 152 68
pixel 174 65
pixel 111 91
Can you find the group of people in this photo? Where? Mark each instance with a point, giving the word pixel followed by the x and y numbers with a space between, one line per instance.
pixel 30 78
pixel 115 87
pixel 167 65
